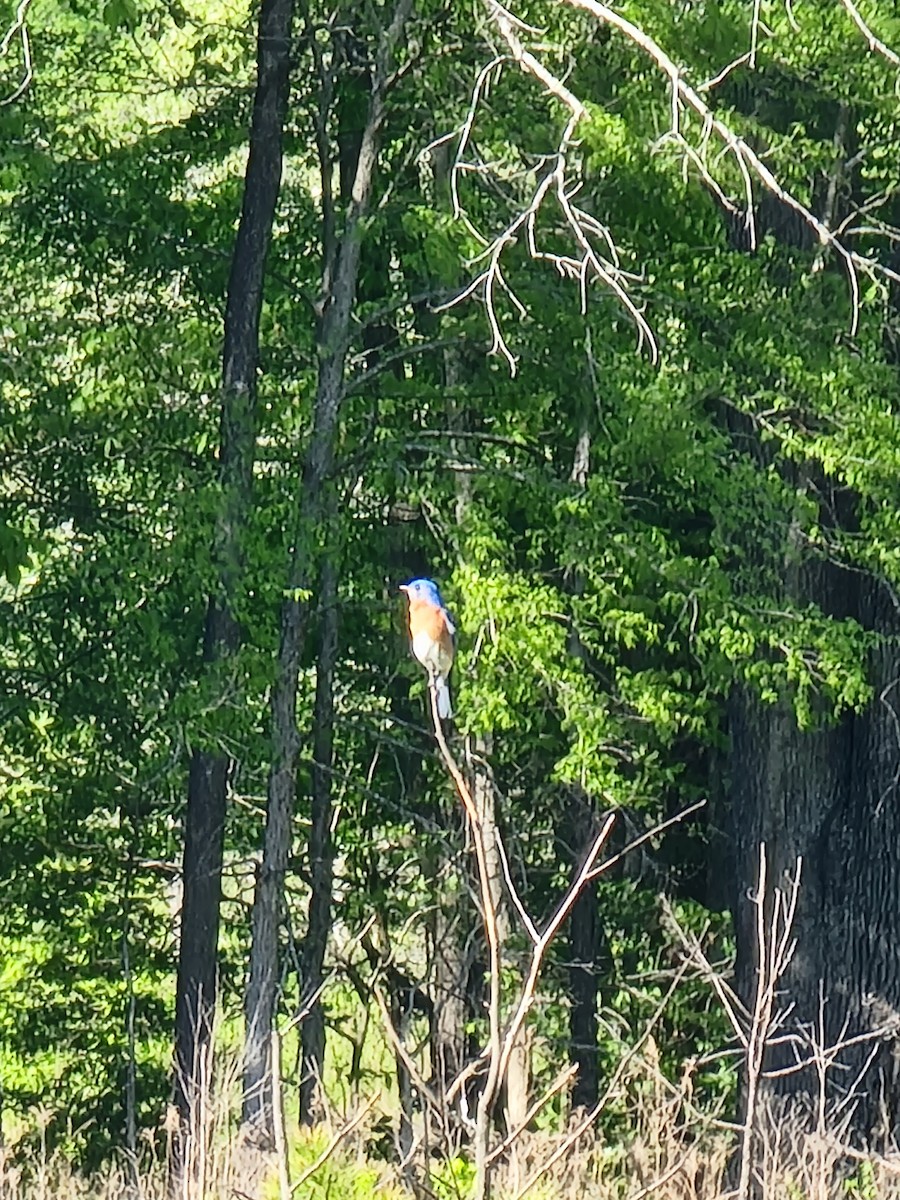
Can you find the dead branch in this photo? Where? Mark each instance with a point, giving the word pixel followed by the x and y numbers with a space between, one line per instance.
pixel 875 44
pixel 493 1078
pixel 343 1133
pixel 775 947
pixel 749 163
pixel 594 256
pixel 539 951
pixel 19 27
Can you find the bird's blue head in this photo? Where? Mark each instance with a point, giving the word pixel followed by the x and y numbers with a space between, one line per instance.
pixel 423 589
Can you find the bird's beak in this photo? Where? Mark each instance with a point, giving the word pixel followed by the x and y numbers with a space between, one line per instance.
pixel 404 587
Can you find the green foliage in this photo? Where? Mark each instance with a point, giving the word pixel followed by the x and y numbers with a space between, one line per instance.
pixel 453 1178
pixel 340 1177
pixel 862 1184
pixel 604 617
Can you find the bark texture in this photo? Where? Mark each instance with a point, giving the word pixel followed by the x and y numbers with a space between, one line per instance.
pixel 829 796
pixel 315 504
pixel 209 769
pixel 321 855
pixel 588 954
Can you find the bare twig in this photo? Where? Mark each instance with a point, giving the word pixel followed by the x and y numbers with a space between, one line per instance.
pixel 540 948
pixel 597 257
pixel 748 162
pixel 20 27
pixel 562 1080
pixel 875 44
pixel 775 947
pixel 591 1116
pixel 344 1132
pixel 594 255
pixel 609 863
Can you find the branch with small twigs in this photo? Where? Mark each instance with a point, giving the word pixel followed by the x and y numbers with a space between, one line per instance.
pixel 19 27
pixel 775 946
pixel 489 917
pixel 757 1027
pixel 495 1060
pixel 594 256
pixel 751 166
pixel 501 1044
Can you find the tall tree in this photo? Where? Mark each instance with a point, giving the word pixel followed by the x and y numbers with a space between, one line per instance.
pixel 823 790
pixel 204 822
pixel 321 854
pixel 340 271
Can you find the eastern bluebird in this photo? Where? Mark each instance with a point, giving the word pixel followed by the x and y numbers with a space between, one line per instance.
pixel 432 633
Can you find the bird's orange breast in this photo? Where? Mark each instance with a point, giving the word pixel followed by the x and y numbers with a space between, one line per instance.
pixel 427 619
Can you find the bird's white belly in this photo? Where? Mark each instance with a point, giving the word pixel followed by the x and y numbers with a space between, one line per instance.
pixel 430 653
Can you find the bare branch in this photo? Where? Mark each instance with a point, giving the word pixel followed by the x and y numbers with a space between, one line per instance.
pixel 341 1134
pixel 489 917
pixel 748 162
pixel 645 837
pixel 507 25
pixel 520 908
pixel 19 27
pixel 595 256
pixel 876 45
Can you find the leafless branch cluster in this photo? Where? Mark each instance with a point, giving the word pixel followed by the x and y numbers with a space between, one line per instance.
pixel 703 139
pixel 18 30
pixel 765 1024
pixel 507 1020
pixel 594 256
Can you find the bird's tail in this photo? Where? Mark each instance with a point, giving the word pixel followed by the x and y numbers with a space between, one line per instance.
pixel 442 695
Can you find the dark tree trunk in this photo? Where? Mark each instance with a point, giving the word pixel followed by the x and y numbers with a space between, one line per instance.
pixel 587 958
pixel 586 938
pixel 831 797
pixel 206 801
pixel 321 855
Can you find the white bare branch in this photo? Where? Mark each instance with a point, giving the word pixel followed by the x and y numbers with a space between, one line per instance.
pixel 594 255
pixel 19 28
pixel 875 44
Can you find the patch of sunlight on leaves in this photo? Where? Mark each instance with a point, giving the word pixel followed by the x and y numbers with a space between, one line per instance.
pixel 343 1176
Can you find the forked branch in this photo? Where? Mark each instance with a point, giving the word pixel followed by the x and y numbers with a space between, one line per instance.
pixel 503 1037
pixel 697 132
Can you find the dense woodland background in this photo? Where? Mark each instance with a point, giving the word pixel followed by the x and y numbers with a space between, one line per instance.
pixel 651 455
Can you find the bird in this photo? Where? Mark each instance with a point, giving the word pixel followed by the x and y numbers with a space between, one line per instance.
pixel 432 634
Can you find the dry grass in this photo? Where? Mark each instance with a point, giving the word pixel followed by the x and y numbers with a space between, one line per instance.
pixel 667 1158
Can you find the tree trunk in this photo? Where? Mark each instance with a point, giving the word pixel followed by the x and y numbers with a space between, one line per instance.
pixel 586 937
pixel 206 801
pixel 829 796
pixel 321 856
pixel 587 953
pixel 339 282
pixel 449 963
